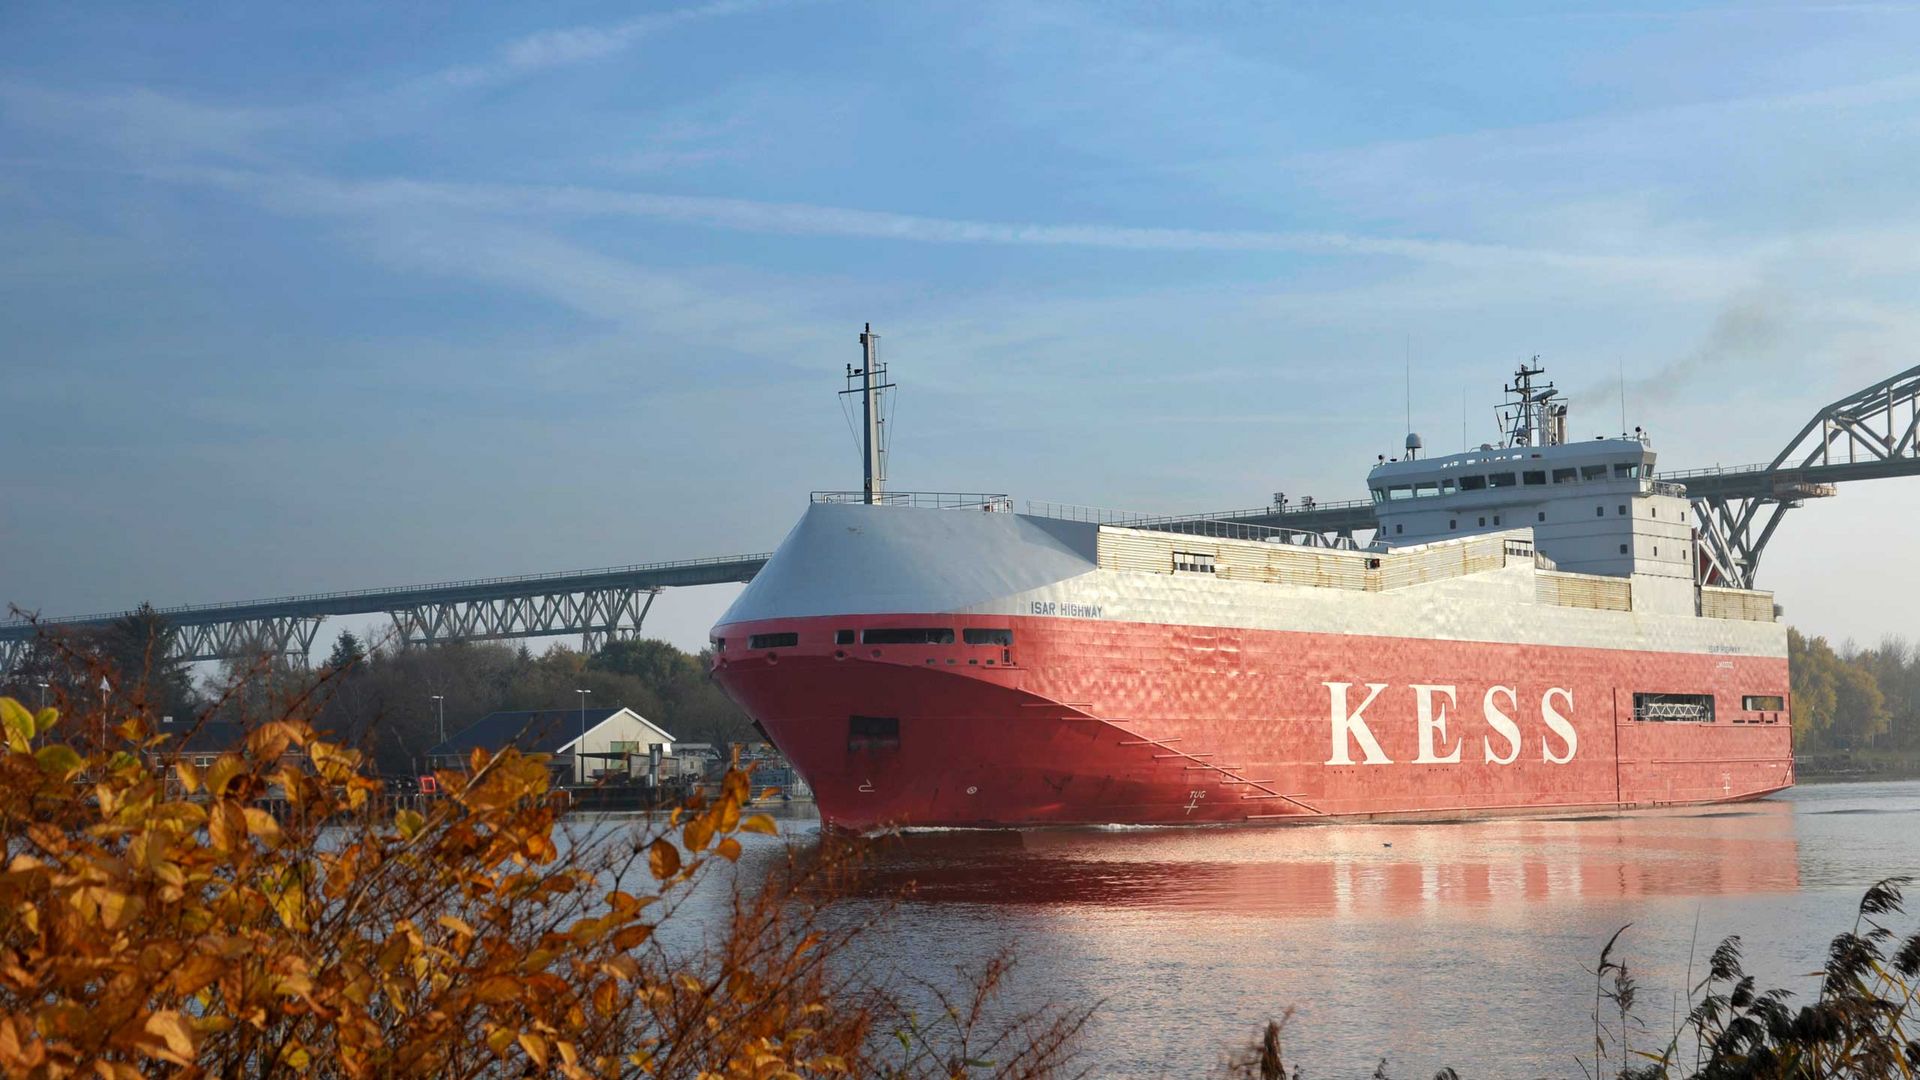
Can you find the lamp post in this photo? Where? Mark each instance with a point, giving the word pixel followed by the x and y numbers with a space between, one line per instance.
pixel 580 748
pixel 440 701
pixel 43 693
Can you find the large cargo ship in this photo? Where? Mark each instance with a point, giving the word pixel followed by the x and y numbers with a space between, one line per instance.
pixel 1530 631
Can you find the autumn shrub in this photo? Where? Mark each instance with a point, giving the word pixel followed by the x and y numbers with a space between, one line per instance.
pixel 277 913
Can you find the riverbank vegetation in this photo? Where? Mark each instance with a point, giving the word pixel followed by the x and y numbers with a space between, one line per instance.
pixel 380 698
pixel 1862 1022
pixel 1856 711
pixel 279 913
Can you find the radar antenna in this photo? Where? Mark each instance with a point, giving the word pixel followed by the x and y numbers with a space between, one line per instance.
pixel 1533 418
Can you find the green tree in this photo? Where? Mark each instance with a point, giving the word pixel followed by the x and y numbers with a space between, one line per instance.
pixel 654 662
pixel 143 674
pixel 347 652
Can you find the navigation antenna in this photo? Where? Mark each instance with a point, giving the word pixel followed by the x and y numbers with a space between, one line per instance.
pixel 1533 418
pixel 872 376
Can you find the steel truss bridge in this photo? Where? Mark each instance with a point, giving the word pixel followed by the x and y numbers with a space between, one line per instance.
pixel 1871 434
pixel 599 605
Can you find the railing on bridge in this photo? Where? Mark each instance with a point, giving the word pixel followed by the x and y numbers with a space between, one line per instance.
pixel 935 500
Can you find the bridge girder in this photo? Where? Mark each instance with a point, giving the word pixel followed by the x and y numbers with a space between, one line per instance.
pixel 1870 433
pixel 599 615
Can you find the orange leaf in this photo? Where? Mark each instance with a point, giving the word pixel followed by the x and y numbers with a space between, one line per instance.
pixel 698 833
pixel 728 849
pixel 759 823
pixel 630 936
pixel 263 825
pixel 173 1029
pixel 664 859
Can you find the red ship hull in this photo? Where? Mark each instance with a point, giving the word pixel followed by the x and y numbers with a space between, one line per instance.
pixel 1101 721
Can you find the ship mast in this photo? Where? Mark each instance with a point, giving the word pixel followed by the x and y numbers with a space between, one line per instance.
pixel 872 376
pixel 1532 418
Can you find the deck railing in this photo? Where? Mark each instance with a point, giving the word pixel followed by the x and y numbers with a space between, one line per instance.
pixel 937 500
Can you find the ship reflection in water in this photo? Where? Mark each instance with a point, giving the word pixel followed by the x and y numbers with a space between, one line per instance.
pixel 1344 870
pixel 1466 944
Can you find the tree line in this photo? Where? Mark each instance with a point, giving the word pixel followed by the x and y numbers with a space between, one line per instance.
pixel 1852 698
pixel 385 699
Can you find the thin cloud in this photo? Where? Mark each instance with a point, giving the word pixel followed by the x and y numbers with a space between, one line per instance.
pixel 550 49
pixel 299 192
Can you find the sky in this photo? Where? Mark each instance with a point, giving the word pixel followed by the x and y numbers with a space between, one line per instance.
pixel 308 297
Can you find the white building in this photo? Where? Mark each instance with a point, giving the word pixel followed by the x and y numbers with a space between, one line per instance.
pixel 584 744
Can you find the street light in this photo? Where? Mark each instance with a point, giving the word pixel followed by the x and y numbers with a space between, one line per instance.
pixel 580 748
pixel 43 693
pixel 441 701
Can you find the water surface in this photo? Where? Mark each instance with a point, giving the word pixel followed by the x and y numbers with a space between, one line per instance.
pixel 1463 944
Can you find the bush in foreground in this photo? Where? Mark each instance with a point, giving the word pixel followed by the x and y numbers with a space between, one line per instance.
pixel 276 914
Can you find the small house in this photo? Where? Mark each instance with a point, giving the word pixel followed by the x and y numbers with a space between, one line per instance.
pixel 585 745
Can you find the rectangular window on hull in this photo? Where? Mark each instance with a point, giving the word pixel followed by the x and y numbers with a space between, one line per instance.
pixel 1593 472
pixel 1473 483
pixel 843 637
pixel 773 641
pixel 1192 562
pixel 873 733
pixel 1501 479
pixel 908 635
pixel 1673 708
pixel 974 636
pixel 1534 477
pixel 1565 476
pixel 1763 703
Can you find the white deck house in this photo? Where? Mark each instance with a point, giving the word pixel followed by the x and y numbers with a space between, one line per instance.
pixel 584 745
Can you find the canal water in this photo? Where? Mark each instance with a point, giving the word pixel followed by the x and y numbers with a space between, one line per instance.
pixel 1464 944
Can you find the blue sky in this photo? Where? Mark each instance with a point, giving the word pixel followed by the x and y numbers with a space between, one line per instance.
pixel 328 296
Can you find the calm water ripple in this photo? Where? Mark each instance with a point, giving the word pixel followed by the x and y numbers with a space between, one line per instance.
pixel 1459 944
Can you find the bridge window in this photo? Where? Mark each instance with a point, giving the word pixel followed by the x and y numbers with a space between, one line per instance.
pixel 1473 483
pixel 1565 476
pixel 1673 708
pixel 1449 486
pixel 1500 480
pixel 1398 492
pixel 1593 472
pixel 1421 491
pixel 843 637
pixel 908 635
pixel 974 636
pixel 1534 477
pixel 773 641
pixel 1763 703
pixel 1626 472
pixel 1192 562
